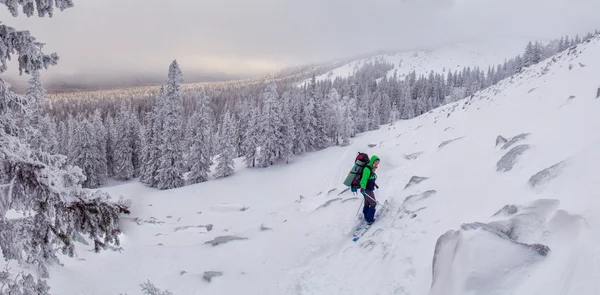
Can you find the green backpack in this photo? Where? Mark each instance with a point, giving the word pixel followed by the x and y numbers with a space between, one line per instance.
pixel 354 176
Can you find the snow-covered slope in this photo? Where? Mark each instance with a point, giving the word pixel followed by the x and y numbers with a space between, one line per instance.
pixel 455 57
pixel 489 219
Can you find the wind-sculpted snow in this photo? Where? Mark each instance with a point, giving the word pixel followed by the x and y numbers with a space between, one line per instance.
pixel 507 210
pixel 507 162
pixel 326 204
pixel 500 140
pixel 419 197
pixel 209 275
pixel 151 220
pixel 443 144
pixel 208 227
pixel 263 227
pixel 350 199
pixel 224 239
pixel 225 208
pixel 514 140
pixel 413 156
pixel 415 180
pixel 485 258
pixel 546 175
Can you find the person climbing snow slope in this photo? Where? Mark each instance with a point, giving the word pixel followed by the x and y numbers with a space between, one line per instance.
pixel 367 189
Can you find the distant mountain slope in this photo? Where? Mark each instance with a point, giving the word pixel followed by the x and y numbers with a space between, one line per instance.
pixel 480 54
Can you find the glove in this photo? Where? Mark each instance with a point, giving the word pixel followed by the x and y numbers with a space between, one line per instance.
pixel 362 190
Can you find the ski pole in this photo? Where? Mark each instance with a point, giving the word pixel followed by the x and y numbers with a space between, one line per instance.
pixel 361 202
pixel 365 194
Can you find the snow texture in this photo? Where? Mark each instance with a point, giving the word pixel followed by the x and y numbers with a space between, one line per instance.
pixel 224 239
pixel 413 156
pixel 514 140
pixel 500 140
pixel 326 204
pixel 415 180
pixel 209 275
pixel 419 197
pixel 443 144
pixel 507 210
pixel 507 162
pixel 547 174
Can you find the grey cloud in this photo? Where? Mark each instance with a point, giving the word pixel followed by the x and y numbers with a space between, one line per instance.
pixel 129 37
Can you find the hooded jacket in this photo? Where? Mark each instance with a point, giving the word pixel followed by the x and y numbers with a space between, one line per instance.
pixel 368 178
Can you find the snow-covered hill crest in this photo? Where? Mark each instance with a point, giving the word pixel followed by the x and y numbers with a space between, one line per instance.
pixel 453 57
pixel 527 201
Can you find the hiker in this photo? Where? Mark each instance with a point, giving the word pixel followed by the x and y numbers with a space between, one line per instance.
pixel 367 189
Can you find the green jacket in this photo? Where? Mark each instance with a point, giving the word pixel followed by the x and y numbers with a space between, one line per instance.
pixel 368 178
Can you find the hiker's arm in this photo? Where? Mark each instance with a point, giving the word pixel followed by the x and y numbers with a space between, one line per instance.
pixel 365 177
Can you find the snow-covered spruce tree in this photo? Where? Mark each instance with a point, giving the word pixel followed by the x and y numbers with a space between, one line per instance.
pixel 57 211
pixel 297 108
pixel 288 129
pixel 110 144
pixel 152 143
pixel 333 116
pixel 346 131
pixel 137 130
pixel 100 138
pixel 309 122
pixel 122 148
pixel 319 114
pixel 170 164
pixel 87 154
pixel 251 139
pixel 225 164
pixel 269 127
pixel 199 137
pixel 31 120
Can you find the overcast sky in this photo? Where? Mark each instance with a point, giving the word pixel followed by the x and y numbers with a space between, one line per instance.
pixel 123 37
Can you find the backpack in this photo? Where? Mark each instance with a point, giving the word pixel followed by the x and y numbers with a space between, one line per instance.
pixel 354 176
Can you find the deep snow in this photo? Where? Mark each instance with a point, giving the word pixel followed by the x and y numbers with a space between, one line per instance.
pixel 278 238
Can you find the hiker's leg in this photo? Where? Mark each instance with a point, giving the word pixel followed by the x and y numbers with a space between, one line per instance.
pixel 372 204
pixel 370 199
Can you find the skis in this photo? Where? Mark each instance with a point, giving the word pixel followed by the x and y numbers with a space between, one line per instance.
pixel 361 230
pixel 363 227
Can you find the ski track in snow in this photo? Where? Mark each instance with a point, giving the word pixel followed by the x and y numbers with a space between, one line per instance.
pixel 308 251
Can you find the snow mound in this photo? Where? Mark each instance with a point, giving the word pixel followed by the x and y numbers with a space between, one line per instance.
pixel 484 258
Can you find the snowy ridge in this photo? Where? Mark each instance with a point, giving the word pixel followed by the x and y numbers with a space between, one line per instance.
pixel 286 229
pixel 453 57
